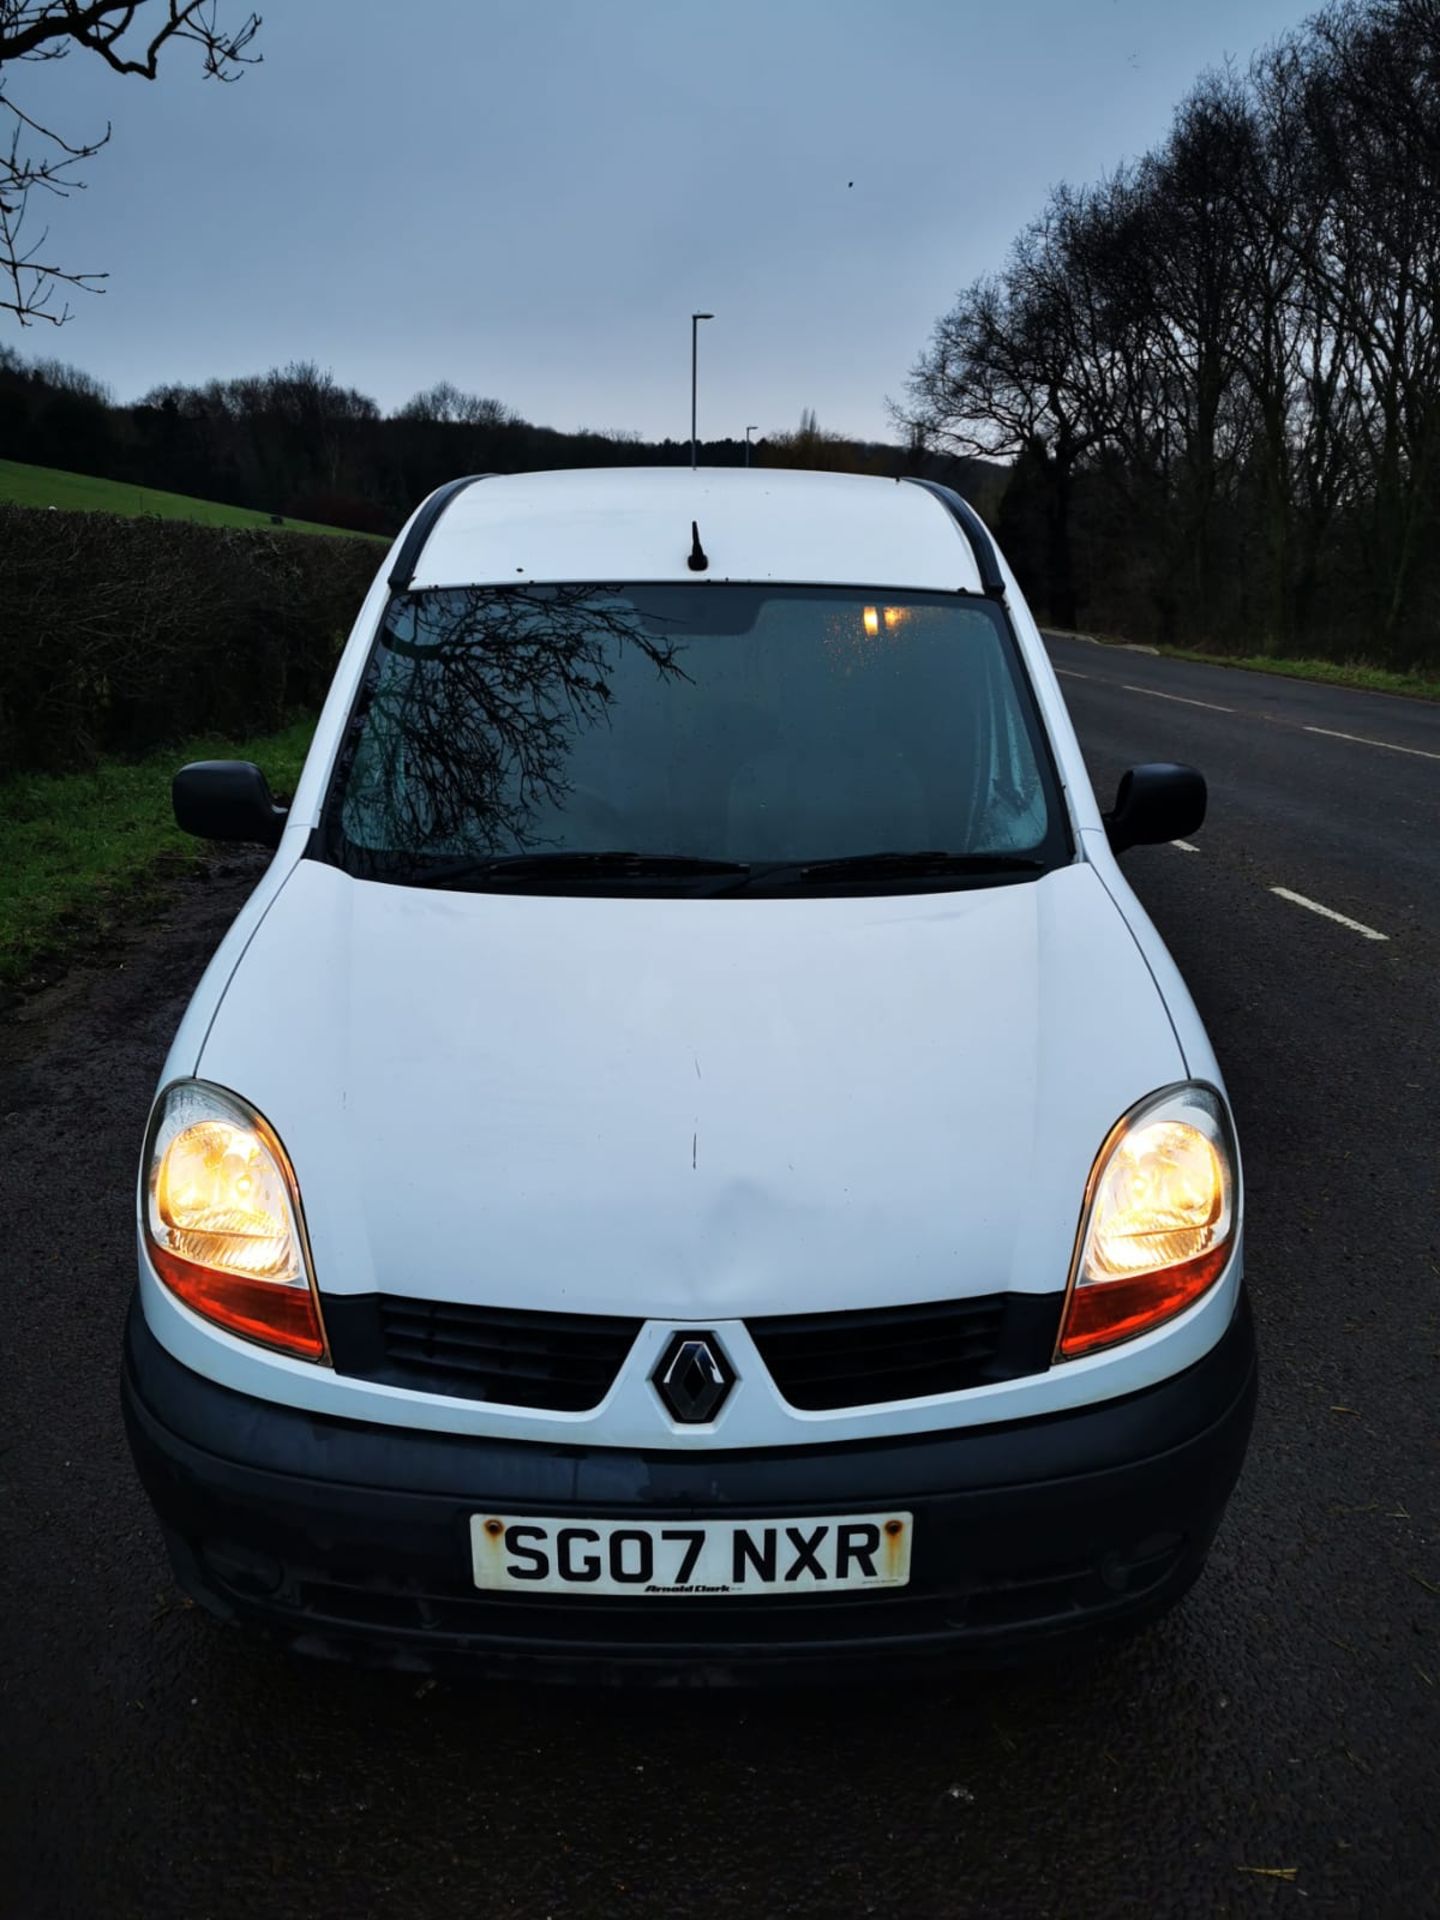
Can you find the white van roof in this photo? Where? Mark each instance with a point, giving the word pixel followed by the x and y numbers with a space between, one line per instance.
pixel 618 524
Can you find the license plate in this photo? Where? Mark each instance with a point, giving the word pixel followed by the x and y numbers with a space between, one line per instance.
pixel 711 1559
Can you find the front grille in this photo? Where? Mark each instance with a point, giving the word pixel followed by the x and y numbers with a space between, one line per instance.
pixel 563 1362
pixel 567 1362
pixel 821 1361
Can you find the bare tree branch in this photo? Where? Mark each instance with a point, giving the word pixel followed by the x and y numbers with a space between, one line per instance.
pixel 40 157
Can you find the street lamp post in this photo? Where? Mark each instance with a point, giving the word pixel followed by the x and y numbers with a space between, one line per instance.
pixel 695 320
pixel 748 432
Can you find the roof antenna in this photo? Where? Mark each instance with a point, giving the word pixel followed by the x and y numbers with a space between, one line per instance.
pixel 698 561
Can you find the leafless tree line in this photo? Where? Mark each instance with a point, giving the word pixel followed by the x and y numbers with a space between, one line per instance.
pixel 1217 372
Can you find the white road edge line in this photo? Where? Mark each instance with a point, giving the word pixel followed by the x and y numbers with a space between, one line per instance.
pixel 1361 741
pixel 1155 694
pixel 1355 926
pixel 1184 846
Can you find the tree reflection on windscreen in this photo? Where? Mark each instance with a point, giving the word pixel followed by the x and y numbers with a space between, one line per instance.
pixel 477 700
pixel 727 721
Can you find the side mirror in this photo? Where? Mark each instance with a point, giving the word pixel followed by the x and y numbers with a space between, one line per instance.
pixel 1154 804
pixel 226 800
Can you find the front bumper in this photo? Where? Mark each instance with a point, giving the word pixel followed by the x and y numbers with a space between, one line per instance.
pixel 352 1541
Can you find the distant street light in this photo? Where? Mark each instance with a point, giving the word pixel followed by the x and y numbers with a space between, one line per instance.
pixel 748 432
pixel 695 320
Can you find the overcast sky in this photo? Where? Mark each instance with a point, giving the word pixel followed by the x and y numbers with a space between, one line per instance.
pixel 529 197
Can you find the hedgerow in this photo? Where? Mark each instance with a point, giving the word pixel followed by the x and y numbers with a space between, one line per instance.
pixel 120 635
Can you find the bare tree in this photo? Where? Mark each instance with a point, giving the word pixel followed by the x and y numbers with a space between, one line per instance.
pixel 812 447
pixel 1189 258
pixel 1372 101
pixel 1224 361
pixel 129 36
pixel 1007 375
pixel 444 404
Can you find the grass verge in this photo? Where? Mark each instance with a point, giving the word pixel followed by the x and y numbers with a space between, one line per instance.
pixel 1335 673
pixel 77 848
pixel 28 486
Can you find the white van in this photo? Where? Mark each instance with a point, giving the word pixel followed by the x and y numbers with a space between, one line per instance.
pixel 693 1161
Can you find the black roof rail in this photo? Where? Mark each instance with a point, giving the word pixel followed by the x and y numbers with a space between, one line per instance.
pixel 421 528
pixel 987 561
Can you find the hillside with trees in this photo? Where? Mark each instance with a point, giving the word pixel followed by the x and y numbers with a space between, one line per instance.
pixel 295 441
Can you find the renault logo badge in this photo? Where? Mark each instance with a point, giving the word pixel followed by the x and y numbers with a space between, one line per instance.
pixel 693 1378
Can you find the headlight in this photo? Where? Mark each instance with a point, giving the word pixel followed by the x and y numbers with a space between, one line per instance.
pixel 222 1218
pixel 1159 1219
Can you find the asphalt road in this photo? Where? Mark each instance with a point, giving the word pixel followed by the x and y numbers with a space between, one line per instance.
pixel 1273 1742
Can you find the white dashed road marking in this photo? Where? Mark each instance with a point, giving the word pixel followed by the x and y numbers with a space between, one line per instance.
pixel 1213 706
pixel 1179 698
pixel 1361 741
pixel 1184 846
pixel 1355 926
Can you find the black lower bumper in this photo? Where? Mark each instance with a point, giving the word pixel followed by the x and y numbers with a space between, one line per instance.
pixel 352 1541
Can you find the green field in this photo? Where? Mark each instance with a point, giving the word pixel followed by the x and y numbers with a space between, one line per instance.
pixel 81 493
pixel 78 849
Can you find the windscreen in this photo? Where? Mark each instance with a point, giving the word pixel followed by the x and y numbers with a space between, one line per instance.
pixel 730 723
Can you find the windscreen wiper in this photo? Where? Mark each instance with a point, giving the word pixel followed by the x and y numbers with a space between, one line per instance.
pixel 566 864
pixel 906 866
